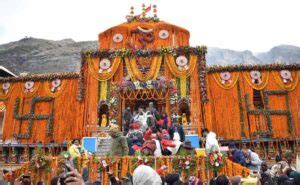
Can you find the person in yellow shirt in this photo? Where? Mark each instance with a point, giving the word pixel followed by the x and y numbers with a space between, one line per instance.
pixel 76 149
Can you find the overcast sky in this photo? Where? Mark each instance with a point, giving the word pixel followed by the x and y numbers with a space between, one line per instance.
pixel 256 25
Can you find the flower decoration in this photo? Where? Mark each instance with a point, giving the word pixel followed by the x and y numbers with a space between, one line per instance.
pixel 182 63
pixel 225 77
pixel 163 34
pixel 5 87
pixel 117 38
pixel 55 85
pixel 105 65
pixel 29 86
pixel 286 76
pixel 256 77
pixel 40 161
pixel 103 164
pixel 215 160
pixel 184 164
pixel 143 160
pixel 160 84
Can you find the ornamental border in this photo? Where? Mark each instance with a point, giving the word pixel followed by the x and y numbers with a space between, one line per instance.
pixel 268 67
pixel 41 77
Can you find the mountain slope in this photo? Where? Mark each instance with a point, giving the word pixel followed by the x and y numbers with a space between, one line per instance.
pixel 46 56
pixel 43 56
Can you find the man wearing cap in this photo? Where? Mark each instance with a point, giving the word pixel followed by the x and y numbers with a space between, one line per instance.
pixel 119 145
pixel 237 155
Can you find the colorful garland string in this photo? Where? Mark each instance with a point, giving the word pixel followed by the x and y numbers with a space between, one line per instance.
pixel 291 85
pixel 234 79
pixel 183 87
pixel 103 90
pixel 136 74
pixel 264 78
pixel 182 75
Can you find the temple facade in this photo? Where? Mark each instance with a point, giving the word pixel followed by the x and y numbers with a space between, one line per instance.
pixel 147 60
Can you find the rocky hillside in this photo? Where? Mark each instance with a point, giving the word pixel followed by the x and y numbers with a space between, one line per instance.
pixel 45 56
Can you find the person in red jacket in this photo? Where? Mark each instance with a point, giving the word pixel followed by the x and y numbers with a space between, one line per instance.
pixel 166 142
pixel 148 135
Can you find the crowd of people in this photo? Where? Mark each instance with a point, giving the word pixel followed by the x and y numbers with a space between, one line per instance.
pixel 149 133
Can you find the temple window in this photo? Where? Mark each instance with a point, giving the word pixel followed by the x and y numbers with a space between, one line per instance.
pixel 257 99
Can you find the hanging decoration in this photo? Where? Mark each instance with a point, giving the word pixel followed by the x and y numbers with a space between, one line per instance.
pixel 103 90
pixel 226 80
pixel 160 84
pixel 163 34
pixel 202 79
pixel 169 59
pixel 117 38
pixel 41 77
pixel 104 70
pixel 183 87
pixel 29 86
pixel 55 87
pixel 225 77
pixel 81 85
pixel 135 72
pixel 6 89
pixel 113 103
pixel 285 79
pixel 241 67
pixel 257 79
pixel 286 76
pixel 182 63
pixel 176 69
pixel 124 52
pixel 105 65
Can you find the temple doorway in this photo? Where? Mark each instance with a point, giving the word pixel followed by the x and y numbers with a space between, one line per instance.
pixel 134 105
pixel 141 99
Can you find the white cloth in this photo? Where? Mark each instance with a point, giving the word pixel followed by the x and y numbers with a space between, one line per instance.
pixel 177 142
pixel 255 161
pixel 145 175
pixel 157 151
pixel 212 144
pixel 142 120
